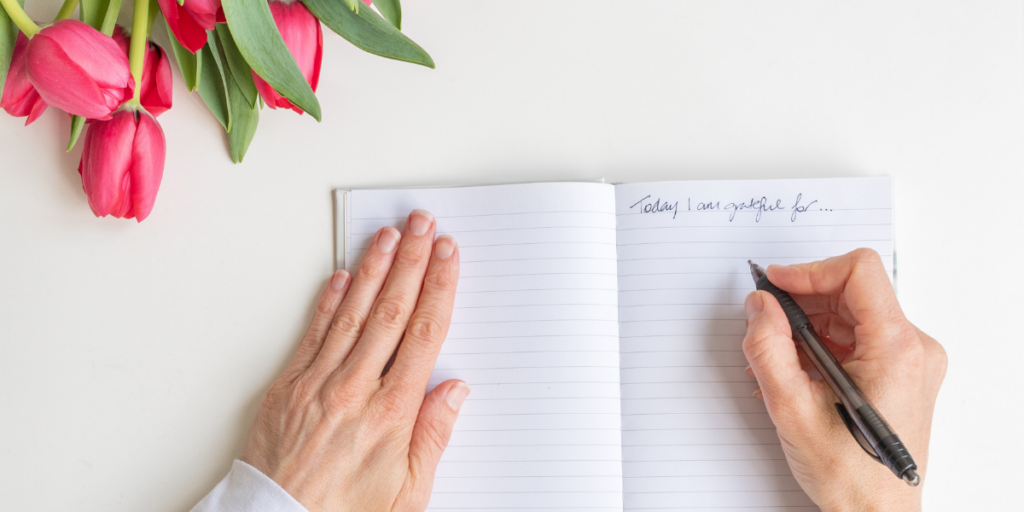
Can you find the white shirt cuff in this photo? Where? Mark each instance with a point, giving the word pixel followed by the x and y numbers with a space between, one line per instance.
pixel 246 489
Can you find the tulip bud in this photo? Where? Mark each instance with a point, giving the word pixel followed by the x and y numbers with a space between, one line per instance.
pixel 122 164
pixel 156 86
pixel 79 70
pixel 190 20
pixel 305 40
pixel 19 98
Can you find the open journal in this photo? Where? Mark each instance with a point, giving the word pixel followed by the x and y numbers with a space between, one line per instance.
pixel 600 328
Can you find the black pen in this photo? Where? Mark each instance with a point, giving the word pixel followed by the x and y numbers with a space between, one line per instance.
pixel 865 424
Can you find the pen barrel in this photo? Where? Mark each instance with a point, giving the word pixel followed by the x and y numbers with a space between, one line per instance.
pixel 887 444
pixel 795 314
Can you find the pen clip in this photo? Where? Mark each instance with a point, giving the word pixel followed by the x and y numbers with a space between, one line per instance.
pixel 857 434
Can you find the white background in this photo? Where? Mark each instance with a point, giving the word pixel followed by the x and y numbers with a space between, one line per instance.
pixel 133 357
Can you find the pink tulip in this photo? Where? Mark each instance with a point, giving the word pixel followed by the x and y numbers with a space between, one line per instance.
pixel 19 98
pixel 190 20
pixel 79 70
pixel 305 40
pixel 156 84
pixel 122 163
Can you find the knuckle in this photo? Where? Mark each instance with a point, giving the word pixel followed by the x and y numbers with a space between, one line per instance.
pixel 303 390
pixel 443 276
pixel 437 431
pixel 324 308
pixel 348 323
pixel 390 407
pixel 938 359
pixel 425 328
pixel 410 258
pixel 370 270
pixel 389 311
pixel 339 399
pixel 866 255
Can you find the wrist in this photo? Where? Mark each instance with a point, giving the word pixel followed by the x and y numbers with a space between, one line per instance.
pixel 854 501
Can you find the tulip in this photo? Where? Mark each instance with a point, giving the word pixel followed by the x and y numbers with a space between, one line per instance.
pixel 156 84
pixel 19 98
pixel 122 163
pixel 304 39
pixel 79 70
pixel 190 20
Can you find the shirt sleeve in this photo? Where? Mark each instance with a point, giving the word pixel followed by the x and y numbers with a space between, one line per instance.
pixel 246 489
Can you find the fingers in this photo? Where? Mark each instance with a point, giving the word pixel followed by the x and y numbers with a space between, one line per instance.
pixel 858 275
pixel 350 318
pixel 774 361
pixel 429 323
pixel 326 307
pixel 393 308
pixel 433 429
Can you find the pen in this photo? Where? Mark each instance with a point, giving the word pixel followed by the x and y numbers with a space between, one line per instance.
pixel 866 425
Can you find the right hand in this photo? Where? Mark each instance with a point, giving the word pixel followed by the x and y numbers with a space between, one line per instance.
pixel 851 303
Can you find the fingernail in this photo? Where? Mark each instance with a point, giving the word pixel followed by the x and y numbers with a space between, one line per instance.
pixel 749 371
pixel 419 222
pixel 753 306
pixel 339 280
pixel 388 240
pixel 757 393
pixel 444 247
pixel 456 395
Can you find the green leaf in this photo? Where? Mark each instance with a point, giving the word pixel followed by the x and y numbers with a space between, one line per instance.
pixel 91 12
pixel 8 36
pixel 213 85
pixel 392 11
pixel 189 64
pixel 367 30
pixel 240 70
pixel 259 42
pixel 245 118
pixel 77 123
pixel 353 5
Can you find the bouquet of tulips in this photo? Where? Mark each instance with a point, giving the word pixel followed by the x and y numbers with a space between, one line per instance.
pixel 114 82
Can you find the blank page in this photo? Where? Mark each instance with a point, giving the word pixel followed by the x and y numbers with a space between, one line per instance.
pixel 693 436
pixel 534 333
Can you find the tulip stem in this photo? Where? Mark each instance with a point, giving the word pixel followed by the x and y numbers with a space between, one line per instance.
pixel 66 10
pixel 110 17
pixel 18 16
pixel 137 50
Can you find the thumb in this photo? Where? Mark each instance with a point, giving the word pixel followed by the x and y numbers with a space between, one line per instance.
pixel 433 428
pixel 772 354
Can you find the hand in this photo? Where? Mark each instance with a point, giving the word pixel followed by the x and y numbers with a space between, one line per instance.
pixel 851 303
pixel 339 430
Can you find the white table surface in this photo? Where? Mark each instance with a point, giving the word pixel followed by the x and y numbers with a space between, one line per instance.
pixel 133 357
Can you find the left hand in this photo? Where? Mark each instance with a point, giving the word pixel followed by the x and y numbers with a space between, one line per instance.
pixel 336 431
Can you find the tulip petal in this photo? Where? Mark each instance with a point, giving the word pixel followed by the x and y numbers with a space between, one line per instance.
pixel 302 35
pixel 157 85
pixel 105 164
pixel 99 55
pixel 148 152
pixel 270 96
pixel 62 83
pixel 203 11
pixel 189 33
pixel 38 107
pixel 19 98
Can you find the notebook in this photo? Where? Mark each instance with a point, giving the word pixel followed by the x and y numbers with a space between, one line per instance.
pixel 600 328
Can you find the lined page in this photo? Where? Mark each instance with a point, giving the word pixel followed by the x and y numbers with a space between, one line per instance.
pixel 694 438
pixel 534 333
